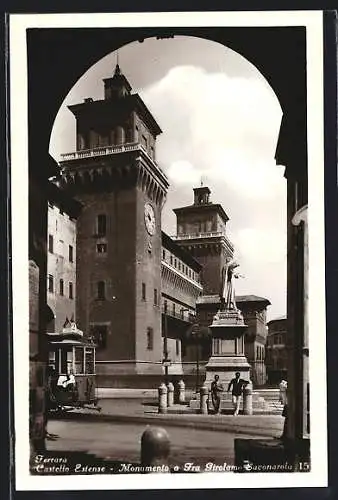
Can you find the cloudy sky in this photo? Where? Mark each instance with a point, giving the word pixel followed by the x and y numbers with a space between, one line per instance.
pixel 220 122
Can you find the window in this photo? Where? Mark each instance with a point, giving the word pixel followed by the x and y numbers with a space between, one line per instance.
pixel 175 263
pixel 89 353
pixel 70 253
pixel 163 254
pixel 50 283
pixel 179 265
pixel 101 248
pixel 174 309
pixel 143 291
pixel 101 225
pixel 177 347
pixel 155 297
pixel 165 306
pixel 150 338
pixel 171 260
pixel 50 243
pixel 100 333
pixel 79 360
pixel 71 296
pixel 101 290
pixel 61 287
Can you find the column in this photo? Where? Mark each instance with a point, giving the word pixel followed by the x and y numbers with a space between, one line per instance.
pixel 300 220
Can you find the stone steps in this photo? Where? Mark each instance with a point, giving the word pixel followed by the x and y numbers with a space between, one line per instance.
pixel 260 405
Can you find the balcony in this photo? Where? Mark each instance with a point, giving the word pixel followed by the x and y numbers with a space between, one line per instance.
pixel 108 150
pixel 193 236
pixel 181 314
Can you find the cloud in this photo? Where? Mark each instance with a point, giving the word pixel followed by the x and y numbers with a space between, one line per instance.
pixel 224 129
pixel 183 172
pixel 260 246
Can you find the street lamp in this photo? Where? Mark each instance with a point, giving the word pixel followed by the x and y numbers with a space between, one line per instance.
pixel 166 360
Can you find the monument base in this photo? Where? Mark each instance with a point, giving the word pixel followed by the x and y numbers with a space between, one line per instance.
pixel 226 367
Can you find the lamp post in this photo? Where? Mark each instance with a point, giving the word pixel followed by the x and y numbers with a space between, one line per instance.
pixel 195 334
pixel 165 345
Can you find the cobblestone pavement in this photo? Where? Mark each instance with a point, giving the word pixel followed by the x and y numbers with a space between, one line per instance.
pixel 138 411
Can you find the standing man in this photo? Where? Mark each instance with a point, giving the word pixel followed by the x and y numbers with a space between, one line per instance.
pixel 283 386
pixel 216 389
pixel 237 384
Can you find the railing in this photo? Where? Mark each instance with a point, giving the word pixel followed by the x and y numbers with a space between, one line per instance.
pixel 100 151
pixel 108 150
pixel 192 236
pixel 189 318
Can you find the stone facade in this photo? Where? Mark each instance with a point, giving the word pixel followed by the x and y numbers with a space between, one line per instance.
pixel 122 189
pixel 181 287
pixel 61 262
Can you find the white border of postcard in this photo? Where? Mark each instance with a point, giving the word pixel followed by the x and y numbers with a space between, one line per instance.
pixel 313 20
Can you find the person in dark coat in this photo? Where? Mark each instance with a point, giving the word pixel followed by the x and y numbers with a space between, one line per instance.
pixel 237 384
pixel 216 389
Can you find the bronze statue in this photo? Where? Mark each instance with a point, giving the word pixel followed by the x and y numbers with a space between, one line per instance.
pixel 227 291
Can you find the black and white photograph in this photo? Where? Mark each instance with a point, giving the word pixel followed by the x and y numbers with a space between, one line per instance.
pixel 167 175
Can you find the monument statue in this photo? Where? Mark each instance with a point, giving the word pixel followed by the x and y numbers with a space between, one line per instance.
pixel 227 291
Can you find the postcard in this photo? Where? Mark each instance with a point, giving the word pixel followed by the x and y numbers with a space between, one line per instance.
pixel 167 198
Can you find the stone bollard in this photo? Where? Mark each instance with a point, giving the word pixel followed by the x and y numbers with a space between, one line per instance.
pixel 171 390
pixel 247 399
pixel 204 394
pixel 181 392
pixel 155 449
pixel 162 398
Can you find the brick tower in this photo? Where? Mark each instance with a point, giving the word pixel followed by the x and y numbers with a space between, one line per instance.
pixel 114 174
pixel 201 229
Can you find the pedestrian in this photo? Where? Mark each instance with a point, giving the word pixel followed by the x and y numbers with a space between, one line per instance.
pixel 283 386
pixel 216 390
pixel 282 392
pixel 237 384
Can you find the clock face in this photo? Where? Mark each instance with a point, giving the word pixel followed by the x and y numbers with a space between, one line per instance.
pixel 149 218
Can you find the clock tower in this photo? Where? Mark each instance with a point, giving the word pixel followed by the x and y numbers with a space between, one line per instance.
pixel 114 174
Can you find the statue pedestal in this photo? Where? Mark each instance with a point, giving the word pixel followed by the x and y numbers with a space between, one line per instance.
pixel 227 356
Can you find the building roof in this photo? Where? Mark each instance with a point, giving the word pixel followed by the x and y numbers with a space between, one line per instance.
pixel 214 299
pixel 180 252
pixel 279 318
pixel 128 102
pixel 60 198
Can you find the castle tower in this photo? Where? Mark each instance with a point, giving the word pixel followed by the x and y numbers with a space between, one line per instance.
pixel 114 174
pixel 201 229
